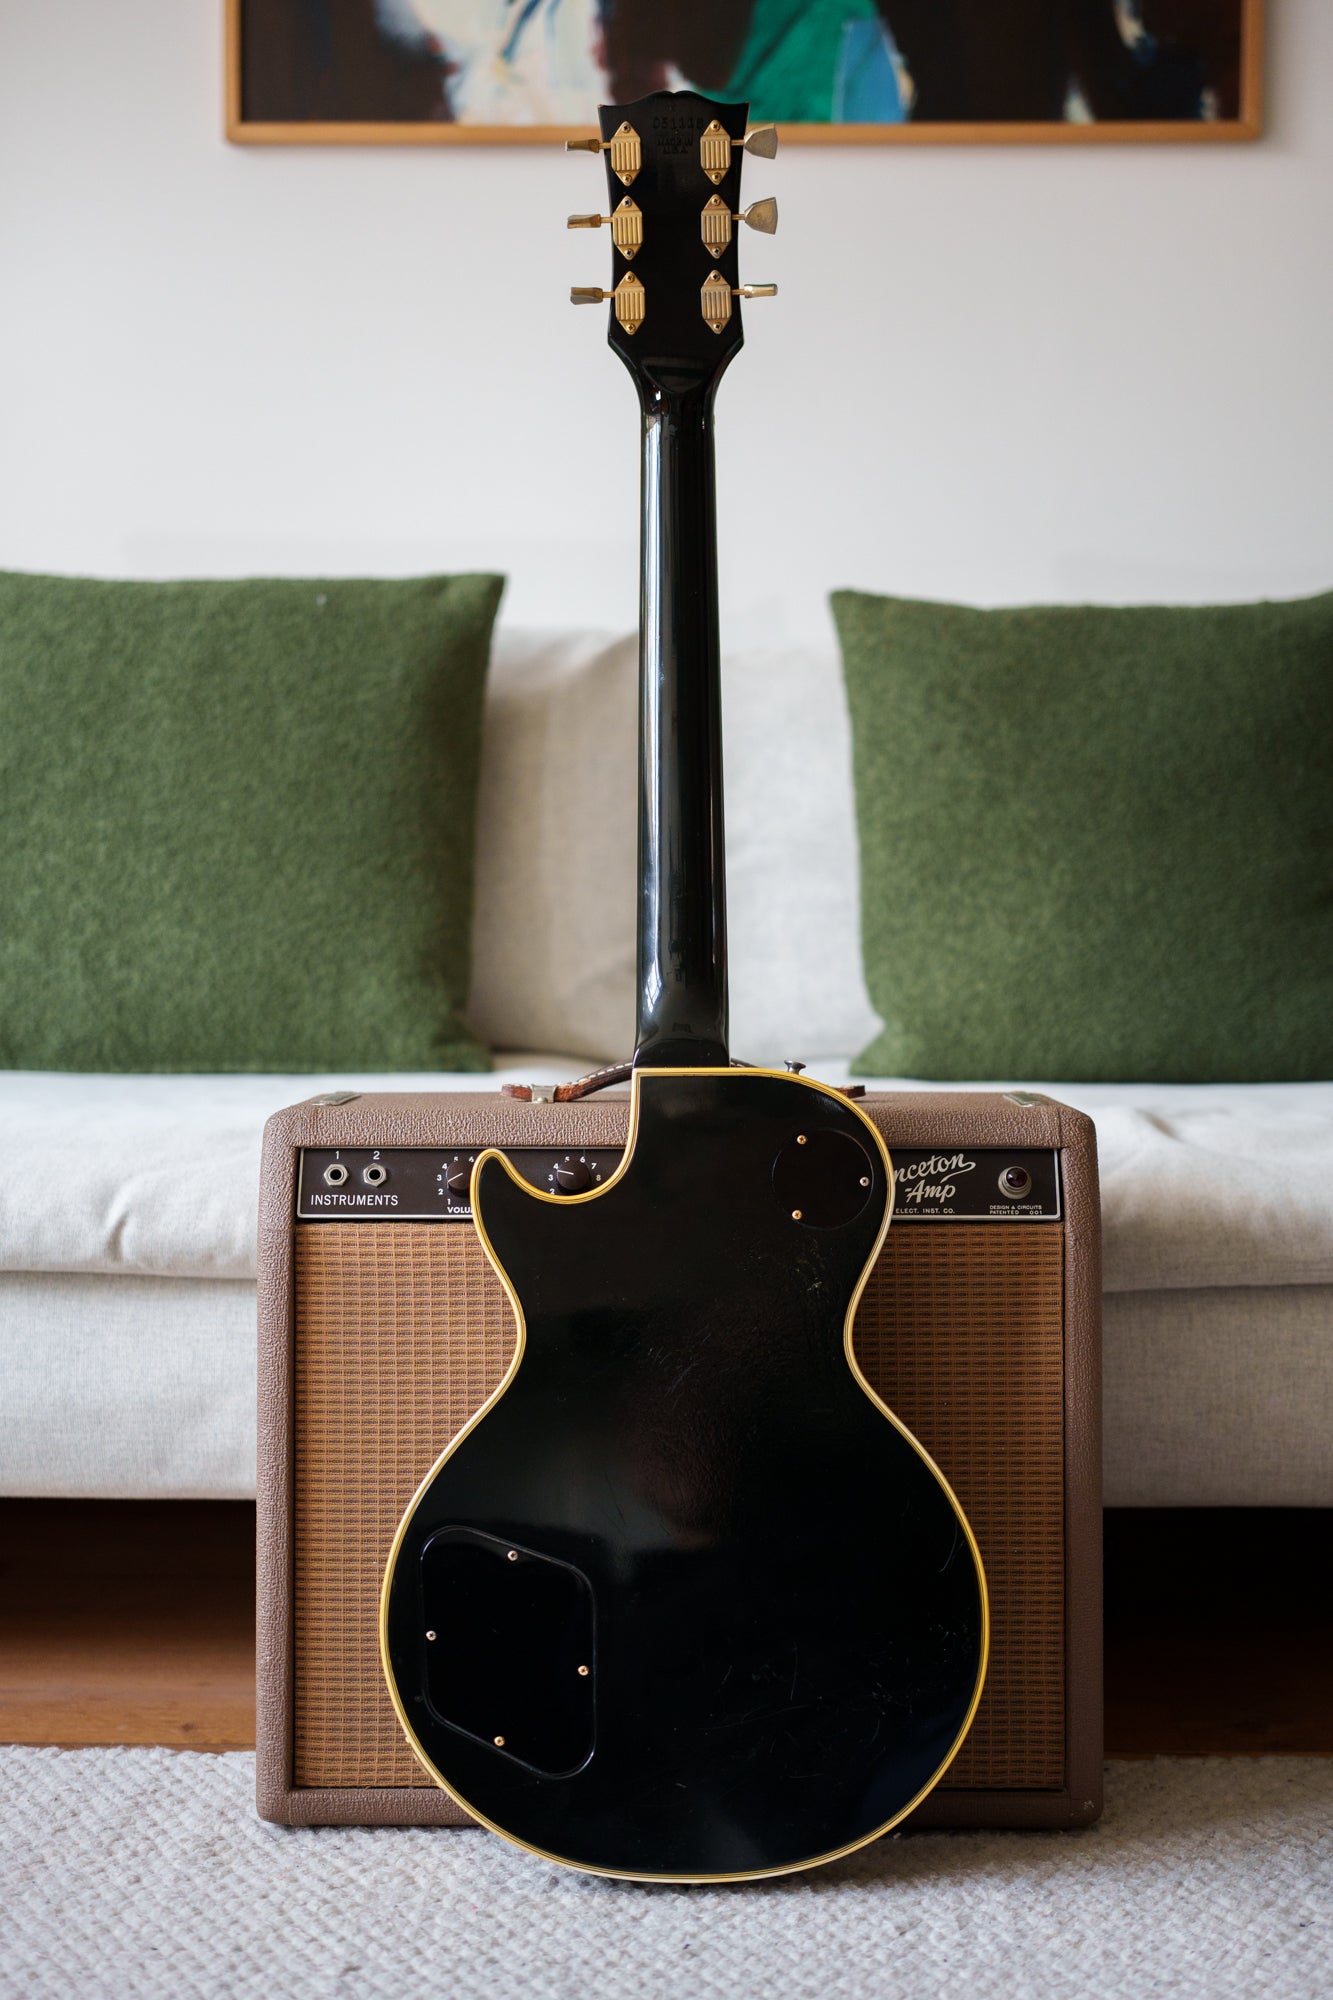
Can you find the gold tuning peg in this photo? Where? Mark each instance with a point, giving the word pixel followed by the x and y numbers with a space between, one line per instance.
pixel 624 147
pixel 627 299
pixel 715 147
pixel 716 220
pixel 762 215
pixel 626 226
pixel 715 296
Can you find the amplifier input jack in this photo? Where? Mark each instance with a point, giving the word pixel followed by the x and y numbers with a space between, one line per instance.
pixel 335 1175
pixel 374 1175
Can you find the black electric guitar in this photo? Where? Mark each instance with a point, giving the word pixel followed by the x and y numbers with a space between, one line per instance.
pixel 685 1601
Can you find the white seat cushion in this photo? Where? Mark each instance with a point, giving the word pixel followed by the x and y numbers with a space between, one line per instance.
pixel 1203 1185
pixel 135 1388
pixel 127 1260
pixel 158 1176
pixel 126 1388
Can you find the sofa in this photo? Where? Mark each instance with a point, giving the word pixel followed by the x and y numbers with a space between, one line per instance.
pixel 128 1203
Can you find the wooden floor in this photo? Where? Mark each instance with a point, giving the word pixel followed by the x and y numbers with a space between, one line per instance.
pixel 1219 1631
pixel 133 1622
pixel 127 1621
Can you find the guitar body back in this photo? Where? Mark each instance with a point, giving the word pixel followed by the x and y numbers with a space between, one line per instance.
pixel 685 1601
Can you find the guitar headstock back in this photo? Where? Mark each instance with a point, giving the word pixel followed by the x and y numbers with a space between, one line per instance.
pixel 673 177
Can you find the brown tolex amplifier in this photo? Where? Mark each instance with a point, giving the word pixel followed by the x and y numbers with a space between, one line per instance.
pixel 382 1328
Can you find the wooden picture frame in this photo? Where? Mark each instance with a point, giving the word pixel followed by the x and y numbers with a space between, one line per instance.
pixel 243 129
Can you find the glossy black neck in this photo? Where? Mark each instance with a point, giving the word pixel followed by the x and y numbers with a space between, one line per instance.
pixel 682 958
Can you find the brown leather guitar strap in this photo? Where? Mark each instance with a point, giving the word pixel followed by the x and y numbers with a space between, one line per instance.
pixel 602 1079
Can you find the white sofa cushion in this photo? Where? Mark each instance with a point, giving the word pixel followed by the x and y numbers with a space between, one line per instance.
pixel 126 1388
pixel 1221 1398
pixel 127 1258
pixel 137 1388
pixel 157 1176
pixel 1203 1185
pixel 553 935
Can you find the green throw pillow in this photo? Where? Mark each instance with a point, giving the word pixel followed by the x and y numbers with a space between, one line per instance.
pixel 1095 844
pixel 236 822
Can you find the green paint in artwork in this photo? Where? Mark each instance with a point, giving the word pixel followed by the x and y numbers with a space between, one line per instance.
pixel 788 67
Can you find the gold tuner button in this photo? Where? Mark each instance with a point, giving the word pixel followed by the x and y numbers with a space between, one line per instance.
pixel 715 147
pixel 626 226
pixel 628 299
pixel 715 296
pixel 715 225
pixel 624 147
pixel 716 218
pixel 715 151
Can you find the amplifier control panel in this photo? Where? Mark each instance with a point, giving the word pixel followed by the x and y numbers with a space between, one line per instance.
pixel 976 1184
pixel 423 1183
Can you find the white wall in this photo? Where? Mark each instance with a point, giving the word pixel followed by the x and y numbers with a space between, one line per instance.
pixel 993 373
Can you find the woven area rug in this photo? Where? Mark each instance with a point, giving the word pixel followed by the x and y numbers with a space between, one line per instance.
pixel 134 1874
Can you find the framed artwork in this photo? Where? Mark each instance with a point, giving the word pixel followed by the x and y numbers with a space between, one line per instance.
pixel 394 72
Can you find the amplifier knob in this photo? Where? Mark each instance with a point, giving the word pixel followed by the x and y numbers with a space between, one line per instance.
pixel 572 1176
pixel 458 1176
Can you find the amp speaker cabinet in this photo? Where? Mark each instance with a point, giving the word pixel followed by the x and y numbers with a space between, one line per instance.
pixel 382 1328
